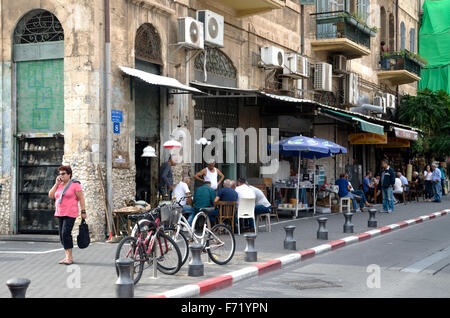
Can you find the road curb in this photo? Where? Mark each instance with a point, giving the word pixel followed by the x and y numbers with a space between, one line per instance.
pixel 227 280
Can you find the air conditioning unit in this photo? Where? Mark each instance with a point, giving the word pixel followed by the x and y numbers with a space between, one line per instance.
pixel 380 101
pixel 296 66
pixel 390 100
pixel 339 63
pixel 213 27
pixel 352 89
pixel 272 56
pixel 323 77
pixel 190 33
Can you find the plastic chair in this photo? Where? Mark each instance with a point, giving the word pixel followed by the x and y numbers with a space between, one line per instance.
pixel 347 203
pixel 267 216
pixel 246 210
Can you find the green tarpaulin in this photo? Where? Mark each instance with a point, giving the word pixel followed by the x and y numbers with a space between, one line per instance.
pixel 434 45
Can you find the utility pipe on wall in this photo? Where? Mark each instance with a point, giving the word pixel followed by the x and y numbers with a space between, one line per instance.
pixel 108 112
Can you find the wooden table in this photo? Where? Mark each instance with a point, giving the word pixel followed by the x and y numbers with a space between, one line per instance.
pixel 124 212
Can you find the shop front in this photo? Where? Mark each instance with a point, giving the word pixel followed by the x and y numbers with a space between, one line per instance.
pixel 38 54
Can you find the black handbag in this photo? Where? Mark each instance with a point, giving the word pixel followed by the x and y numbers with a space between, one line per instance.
pixel 83 238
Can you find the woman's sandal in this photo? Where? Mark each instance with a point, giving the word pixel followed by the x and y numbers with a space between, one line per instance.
pixel 62 261
pixel 68 262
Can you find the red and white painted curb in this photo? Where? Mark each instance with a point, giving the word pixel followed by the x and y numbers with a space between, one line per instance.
pixel 207 285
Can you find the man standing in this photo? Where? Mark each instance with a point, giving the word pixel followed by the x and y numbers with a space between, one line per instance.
pixel 442 169
pixel 210 174
pixel 344 191
pixel 436 180
pixel 387 182
pixel 182 191
pixel 203 198
pixel 166 178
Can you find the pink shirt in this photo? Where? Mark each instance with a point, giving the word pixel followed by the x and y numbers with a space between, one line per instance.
pixel 69 204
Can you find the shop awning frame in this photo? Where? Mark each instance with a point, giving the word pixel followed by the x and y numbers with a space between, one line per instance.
pixel 364 125
pixel 159 80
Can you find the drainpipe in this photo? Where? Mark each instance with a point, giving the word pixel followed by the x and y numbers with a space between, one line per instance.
pixel 108 112
pixel 302 39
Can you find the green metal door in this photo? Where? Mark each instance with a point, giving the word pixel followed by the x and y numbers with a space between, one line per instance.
pixel 40 96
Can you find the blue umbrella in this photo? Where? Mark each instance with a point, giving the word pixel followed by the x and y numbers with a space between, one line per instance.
pixel 311 148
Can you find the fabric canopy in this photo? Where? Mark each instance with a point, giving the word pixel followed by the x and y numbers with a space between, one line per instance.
pixel 434 45
pixel 364 125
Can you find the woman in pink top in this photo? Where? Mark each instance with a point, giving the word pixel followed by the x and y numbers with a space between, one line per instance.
pixel 67 207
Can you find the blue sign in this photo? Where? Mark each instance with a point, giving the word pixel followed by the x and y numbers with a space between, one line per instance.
pixel 117 116
pixel 116 128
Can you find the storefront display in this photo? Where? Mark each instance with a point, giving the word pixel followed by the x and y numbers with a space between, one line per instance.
pixel 39 159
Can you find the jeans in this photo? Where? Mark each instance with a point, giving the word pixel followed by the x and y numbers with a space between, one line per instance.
pixel 363 197
pixel 65 225
pixel 388 199
pixel 354 202
pixel 437 191
pixel 428 189
pixel 443 186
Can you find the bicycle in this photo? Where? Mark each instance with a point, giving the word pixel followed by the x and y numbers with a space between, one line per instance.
pixel 218 241
pixel 157 246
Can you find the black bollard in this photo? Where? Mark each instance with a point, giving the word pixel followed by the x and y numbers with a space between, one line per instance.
pixel 372 221
pixel 125 284
pixel 18 287
pixel 251 255
pixel 322 233
pixel 348 225
pixel 289 242
pixel 196 267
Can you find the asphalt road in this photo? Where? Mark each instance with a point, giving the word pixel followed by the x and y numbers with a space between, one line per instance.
pixel 411 262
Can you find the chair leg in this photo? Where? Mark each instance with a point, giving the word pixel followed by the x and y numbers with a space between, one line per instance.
pixel 239 228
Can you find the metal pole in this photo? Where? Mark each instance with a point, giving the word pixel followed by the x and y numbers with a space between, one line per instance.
pixel 124 284
pixel 108 111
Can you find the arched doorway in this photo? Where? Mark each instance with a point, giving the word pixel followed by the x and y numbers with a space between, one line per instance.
pixel 148 58
pixel 391 33
pixel 38 55
pixel 383 25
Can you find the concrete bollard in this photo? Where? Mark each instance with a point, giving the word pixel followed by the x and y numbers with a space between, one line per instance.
pixel 348 225
pixel 289 242
pixel 251 255
pixel 18 287
pixel 372 221
pixel 322 233
pixel 196 267
pixel 125 284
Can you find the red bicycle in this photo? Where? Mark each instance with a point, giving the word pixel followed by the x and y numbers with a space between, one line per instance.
pixel 149 243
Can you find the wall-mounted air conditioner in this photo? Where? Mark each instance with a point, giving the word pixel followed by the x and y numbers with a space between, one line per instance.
pixel 323 77
pixel 213 27
pixel 272 56
pixel 190 33
pixel 296 66
pixel 352 89
pixel 390 100
pixel 339 63
pixel 380 101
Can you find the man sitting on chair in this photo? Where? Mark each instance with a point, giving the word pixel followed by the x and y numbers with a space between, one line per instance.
pixel 182 191
pixel 226 194
pixel 203 198
pixel 245 192
pixel 262 205
pixel 344 191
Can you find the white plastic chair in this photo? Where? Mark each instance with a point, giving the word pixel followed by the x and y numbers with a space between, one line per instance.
pixel 246 210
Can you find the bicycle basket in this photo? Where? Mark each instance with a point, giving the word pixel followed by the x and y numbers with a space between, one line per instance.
pixel 169 214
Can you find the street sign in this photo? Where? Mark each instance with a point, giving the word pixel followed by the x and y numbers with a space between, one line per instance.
pixel 116 128
pixel 117 116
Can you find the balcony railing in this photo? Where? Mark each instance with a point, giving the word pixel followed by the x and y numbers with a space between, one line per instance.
pixel 341 24
pixel 403 60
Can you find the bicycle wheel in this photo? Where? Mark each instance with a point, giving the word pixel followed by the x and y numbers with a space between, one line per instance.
pixel 182 242
pixel 220 244
pixel 127 249
pixel 167 254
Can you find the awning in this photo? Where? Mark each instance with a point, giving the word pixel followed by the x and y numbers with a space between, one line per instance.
pixel 159 80
pixel 364 125
pixel 406 134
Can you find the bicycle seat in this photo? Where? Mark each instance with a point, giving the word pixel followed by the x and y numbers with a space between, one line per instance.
pixel 208 210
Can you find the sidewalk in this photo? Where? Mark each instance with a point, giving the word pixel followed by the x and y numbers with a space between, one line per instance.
pixel 95 274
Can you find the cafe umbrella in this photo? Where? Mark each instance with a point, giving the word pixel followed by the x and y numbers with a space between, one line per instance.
pixel 310 148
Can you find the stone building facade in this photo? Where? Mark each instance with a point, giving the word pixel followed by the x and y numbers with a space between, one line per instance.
pixel 144 37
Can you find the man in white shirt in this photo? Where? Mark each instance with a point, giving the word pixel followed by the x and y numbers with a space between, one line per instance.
pixel 182 190
pixel 262 205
